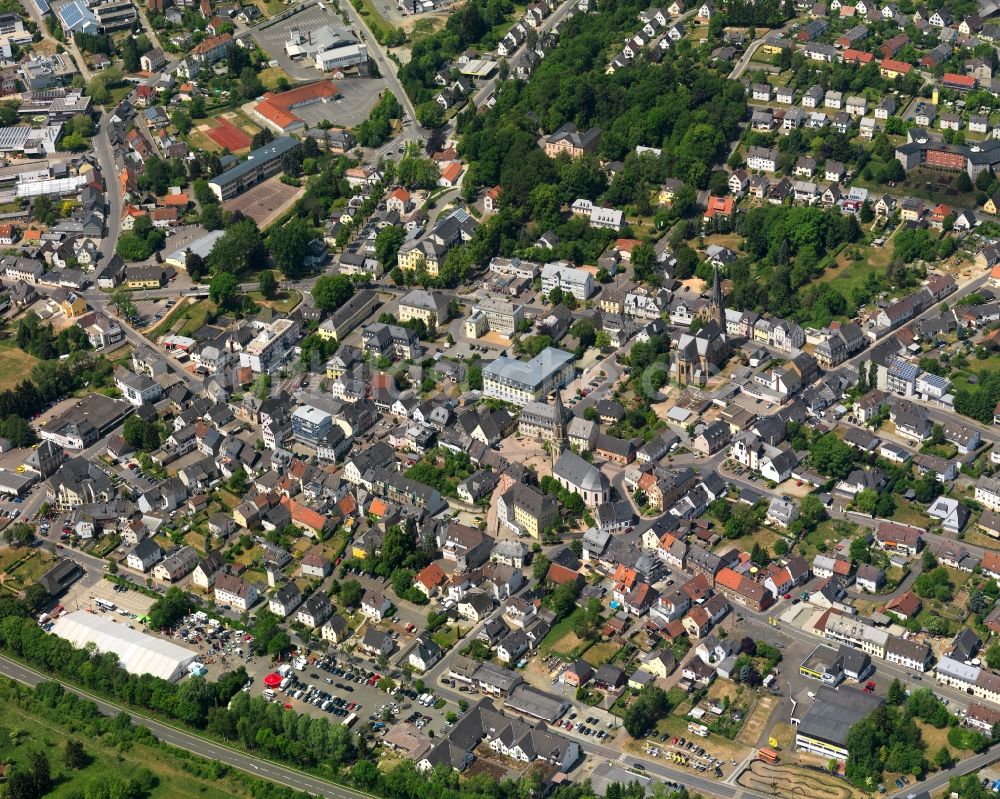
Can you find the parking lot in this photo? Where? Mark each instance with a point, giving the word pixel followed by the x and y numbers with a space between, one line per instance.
pixel 272 38
pixel 359 95
pixel 125 599
pixel 343 683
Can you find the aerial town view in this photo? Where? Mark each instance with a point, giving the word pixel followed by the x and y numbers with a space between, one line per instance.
pixel 486 399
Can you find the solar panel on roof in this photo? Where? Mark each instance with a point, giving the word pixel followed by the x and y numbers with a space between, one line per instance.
pixel 43 6
pixel 71 15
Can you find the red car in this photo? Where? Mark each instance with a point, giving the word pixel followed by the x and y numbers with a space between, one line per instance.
pixel 787 596
pixel 870 687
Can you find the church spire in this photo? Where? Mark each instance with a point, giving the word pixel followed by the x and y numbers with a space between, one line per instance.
pixel 718 302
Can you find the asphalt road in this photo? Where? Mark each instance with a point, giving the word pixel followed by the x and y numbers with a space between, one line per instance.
pixel 489 86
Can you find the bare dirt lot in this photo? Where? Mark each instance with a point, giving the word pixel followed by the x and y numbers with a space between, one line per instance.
pixel 792 781
pixel 265 201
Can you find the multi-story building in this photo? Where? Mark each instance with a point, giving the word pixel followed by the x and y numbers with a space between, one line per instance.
pixel 261 164
pixel 428 306
pixel 520 382
pixel 494 316
pixel 526 510
pixel 137 388
pixel 349 315
pixel 311 424
pixel 572 142
pixel 231 590
pixel 561 275
pixel 271 346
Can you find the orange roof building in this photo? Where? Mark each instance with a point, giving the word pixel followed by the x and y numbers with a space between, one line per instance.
pixel 277 111
pixel 179 200
pixel 890 68
pixel 719 206
pixel 304 517
pixel 451 173
pixel 429 579
pixel 852 56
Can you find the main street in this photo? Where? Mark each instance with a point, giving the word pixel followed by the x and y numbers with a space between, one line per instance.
pixel 386 66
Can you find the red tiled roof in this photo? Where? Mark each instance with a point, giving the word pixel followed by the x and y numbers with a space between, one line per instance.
pixel 896 66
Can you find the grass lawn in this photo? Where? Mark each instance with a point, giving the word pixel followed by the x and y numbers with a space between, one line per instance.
pixel 228 499
pixel 848 274
pixel 200 141
pixel 908 514
pixel 603 652
pixel 177 776
pixel 196 316
pixel 374 19
pixel 33 567
pixel 935 739
pixel 285 302
pixel 559 631
pixel 978 539
pixel 15 364
pixel 822 539
pixel 446 637
pixel 762 535
pixel 272 76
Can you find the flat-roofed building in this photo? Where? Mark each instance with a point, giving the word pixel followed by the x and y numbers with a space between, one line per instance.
pixel 824 728
pixel 261 164
pixel 520 382
pixel 494 316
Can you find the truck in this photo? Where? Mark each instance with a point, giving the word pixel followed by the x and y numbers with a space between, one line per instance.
pixel 349 720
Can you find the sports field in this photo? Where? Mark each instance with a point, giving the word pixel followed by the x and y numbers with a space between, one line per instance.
pixel 227 135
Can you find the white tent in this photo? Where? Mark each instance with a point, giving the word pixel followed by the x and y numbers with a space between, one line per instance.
pixel 138 653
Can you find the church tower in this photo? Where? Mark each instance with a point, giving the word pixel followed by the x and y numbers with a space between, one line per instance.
pixel 558 429
pixel 717 302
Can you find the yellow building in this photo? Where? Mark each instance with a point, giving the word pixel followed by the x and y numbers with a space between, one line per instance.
pixel 73 306
pixel 416 252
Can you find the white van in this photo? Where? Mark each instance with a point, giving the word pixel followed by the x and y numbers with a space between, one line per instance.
pixel 269 694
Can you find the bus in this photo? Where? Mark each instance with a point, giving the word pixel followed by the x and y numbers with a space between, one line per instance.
pixel 768 755
pixel 103 604
pixel 349 720
pixel 698 729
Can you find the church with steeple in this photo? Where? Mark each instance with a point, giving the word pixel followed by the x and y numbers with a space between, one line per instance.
pixel 702 353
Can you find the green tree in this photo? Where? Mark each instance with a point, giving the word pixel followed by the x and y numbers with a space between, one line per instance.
pixel 169 609
pixel 289 246
pixel 332 291
pixel 223 288
pixel 267 284
pixel 238 250
pixel 387 243
pixel 351 593
pixel 74 755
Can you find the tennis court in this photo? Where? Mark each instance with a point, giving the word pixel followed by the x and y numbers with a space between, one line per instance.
pixel 227 135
